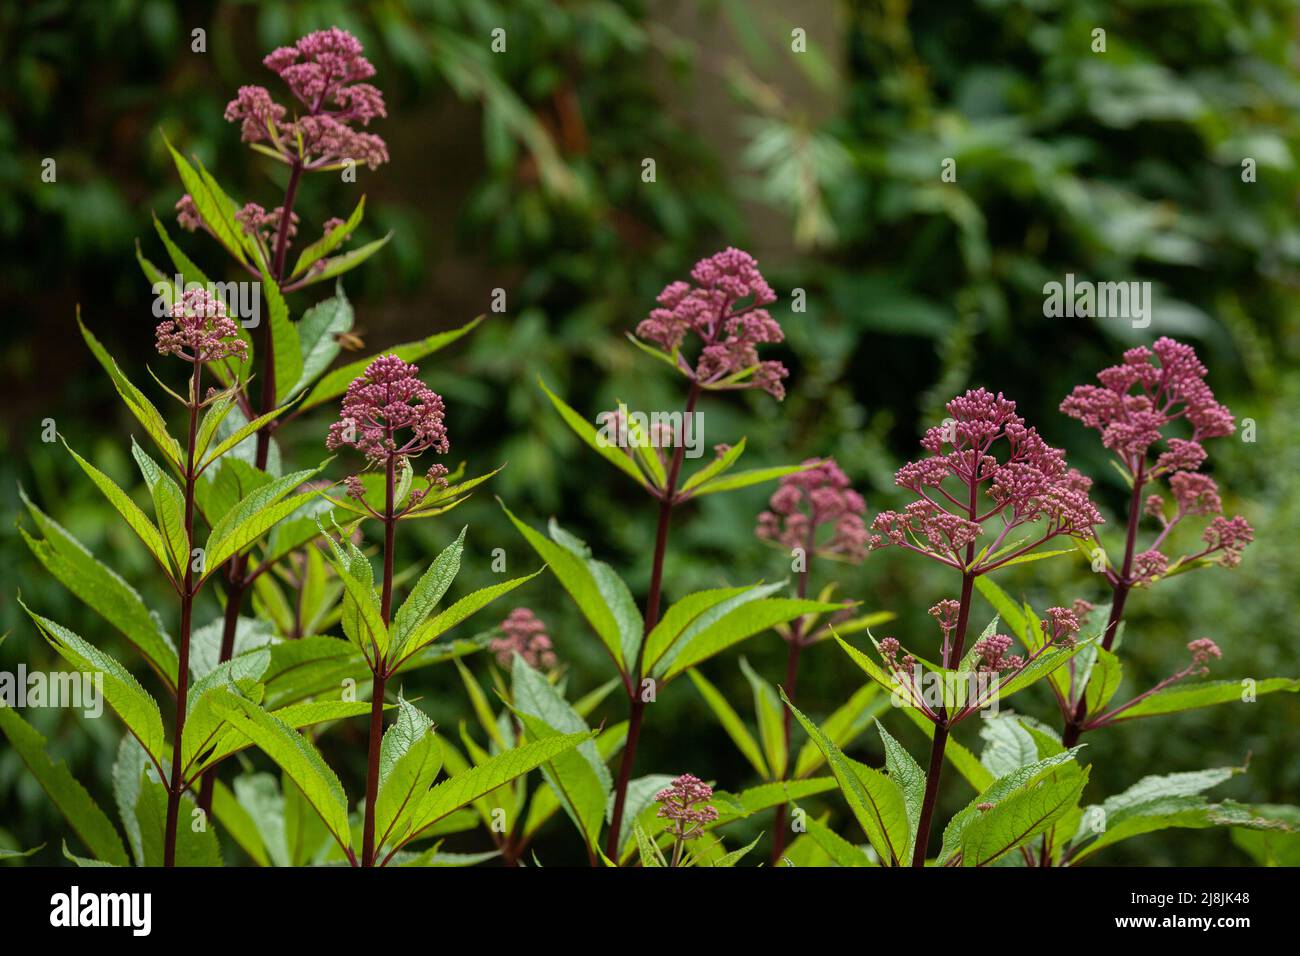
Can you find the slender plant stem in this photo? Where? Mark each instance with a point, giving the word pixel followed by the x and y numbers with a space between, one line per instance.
pixel 175 785
pixel 1075 725
pixel 237 577
pixel 791 681
pixel 380 672
pixel 268 339
pixel 636 712
pixel 940 742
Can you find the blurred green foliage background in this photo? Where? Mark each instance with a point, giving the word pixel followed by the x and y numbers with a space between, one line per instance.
pixel 522 171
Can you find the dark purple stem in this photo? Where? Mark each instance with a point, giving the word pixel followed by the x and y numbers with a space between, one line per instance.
pixel 176 786
pixel 380 673
pixel 637 706
pixel 1077 722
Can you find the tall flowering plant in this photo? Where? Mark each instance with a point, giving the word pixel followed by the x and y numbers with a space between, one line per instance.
pixel 709 331
pixel 323 132
pixel 1137 409
pixel 241 681
pixel 988 495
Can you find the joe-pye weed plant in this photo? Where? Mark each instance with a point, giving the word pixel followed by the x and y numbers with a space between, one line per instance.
pixel 263 520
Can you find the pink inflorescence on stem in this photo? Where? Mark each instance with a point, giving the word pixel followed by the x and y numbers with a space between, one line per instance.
pixel 523 633
pixel 263 225
pixel 724 305
pixel 1060 626
pixel 1203 649
pixel 1133 409
pixel 198 330
pixel 381 403
pixel 1003 485
pixel 323 70
pixel 685 804
pixel 992 657
pixel 818 497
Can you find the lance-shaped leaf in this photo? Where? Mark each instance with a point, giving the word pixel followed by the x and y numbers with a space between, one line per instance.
pixel 203 723
pixel 121 691
pixel 363 621
pixel 318 335
pixel 137 520
pixel 428 591
pixel 743 479
pixel 102 589
pixel 91 825
pixel 731 723
pixel 1000 790
pixel 168 506
pixel 409 760
pixel 1274 845
pixel 239 434
pixel 194 847
pixel 1178 698
pixel 213 205
pixel 840 850
pixel 254 515
pixel 470 784
pixel 284 338
pixel 445 620
pixel 597 439
pixel 296 716
pixel 1155 802
pixel 771 728
pixel 578 777
pixel 909 777
pixel 335 383
pixel 128 773
pixel 877 802
pixel 687 617
pixel 184 265
pixel 1019 818
pixel 145 412
pixel 592 585
pixel 732 628
pixel 713 469
pixel 329 242
pixel 843 725
pixel 341 264
pixel 1102 681
pixel 295 755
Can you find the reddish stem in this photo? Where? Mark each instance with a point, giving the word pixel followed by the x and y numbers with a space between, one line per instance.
pixel 791 680
pixel 1075 725
pixel 175 786
pixel 380 673
pixel 653 599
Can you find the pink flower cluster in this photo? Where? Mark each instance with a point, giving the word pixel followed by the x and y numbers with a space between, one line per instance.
pixel 323 70
pixel 198 330
pixel 992 657
pixel 1132 409
pixel 1060 626
pixel 1203 649
pixel 523 633
pixel 723 306
pixel 683 804
pixel 1026 480
pixel 384 400
pixel 261 224
pixel 1139 397
pixel 807 500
